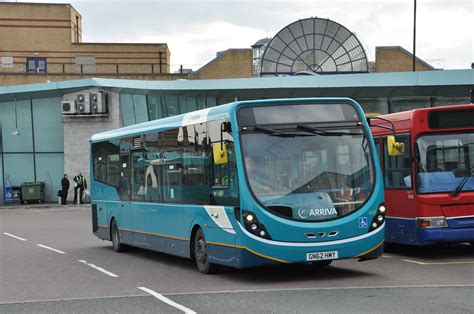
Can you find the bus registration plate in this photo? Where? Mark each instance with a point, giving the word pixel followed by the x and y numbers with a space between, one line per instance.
pixel 319 256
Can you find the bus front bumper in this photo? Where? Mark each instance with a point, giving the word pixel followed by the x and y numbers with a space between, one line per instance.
pixel 445 235
pixel 254 251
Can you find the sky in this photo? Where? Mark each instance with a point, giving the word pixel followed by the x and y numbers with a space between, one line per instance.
pixel 196 30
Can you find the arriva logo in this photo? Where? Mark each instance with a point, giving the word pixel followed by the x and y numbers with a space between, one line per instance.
pixel 306 213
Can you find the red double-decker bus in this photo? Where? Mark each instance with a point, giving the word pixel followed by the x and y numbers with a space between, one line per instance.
pixel 429 188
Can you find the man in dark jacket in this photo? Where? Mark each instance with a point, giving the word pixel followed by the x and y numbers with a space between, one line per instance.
pixel 79 184
pixel 64 189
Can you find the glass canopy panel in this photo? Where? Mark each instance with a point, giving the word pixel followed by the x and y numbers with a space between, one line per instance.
pixel 313 44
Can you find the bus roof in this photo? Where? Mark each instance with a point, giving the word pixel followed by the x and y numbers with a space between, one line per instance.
pixel 197 116
pixel 404 115
pixel 403 121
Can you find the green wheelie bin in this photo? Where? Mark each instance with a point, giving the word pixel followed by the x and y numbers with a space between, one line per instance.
pixel 32 192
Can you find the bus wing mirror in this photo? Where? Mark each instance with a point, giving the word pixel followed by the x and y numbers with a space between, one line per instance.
pixel 394 148
pixel 219 153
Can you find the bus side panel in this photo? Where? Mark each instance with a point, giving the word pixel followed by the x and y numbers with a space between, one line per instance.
pixel 104 228
pixel 163 223
pixel 218 252
pixel 138 224
pixel 103 197
pixel 99 220
pixel 401 212
pixel 401 230
pixel 221 240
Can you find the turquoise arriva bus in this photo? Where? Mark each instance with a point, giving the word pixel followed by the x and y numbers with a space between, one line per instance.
pixel 244 184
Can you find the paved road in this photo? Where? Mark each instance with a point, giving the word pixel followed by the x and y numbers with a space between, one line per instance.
pixel 50 262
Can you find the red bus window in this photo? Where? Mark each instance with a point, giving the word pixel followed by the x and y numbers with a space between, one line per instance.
pixel 398 168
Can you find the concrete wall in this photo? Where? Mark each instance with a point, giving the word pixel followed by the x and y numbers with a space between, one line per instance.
pixel 79 130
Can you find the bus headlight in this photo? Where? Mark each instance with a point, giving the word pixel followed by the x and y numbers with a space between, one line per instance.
pixel 249 217
pixel 431 222
pixel 382 209
pixel 379 218
pixel 254 226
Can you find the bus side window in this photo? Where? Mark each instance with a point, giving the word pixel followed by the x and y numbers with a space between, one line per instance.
pixel 398 168
pixel 152 168
pixel 113 169
pixel 106 162
pixel 138 176
pixel 224 177
pixel 100 162
pixel 377 147
pixel 196 165
pixel 172 169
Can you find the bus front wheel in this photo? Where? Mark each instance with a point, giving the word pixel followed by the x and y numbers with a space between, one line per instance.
pixel 114 234
pixel 201 254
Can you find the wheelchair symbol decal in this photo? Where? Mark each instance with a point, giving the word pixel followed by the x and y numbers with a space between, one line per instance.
pixel 363 223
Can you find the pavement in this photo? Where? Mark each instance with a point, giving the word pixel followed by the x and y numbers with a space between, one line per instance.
pixel 41 206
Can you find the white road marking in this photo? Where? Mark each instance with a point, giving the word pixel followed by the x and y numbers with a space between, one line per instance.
pixel 436 263
pixel 14 236
pixel 245 291
pixel 386 256
pixel 50 248
pixel 167 301
pixel 98 268
pixel 321 289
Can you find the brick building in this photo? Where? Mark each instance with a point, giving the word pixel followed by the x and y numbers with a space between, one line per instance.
pixel 398 59
pixel 42 42
pixel 231 63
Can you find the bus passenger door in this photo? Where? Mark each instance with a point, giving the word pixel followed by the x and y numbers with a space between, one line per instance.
pixel 399 195
pixel 125 215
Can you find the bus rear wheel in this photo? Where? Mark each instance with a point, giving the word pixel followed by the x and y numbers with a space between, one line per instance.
pixel 201 254
pixel 114 234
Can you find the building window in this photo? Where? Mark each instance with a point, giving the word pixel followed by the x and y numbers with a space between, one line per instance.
pixel 398 104
pixel 36 65
pixel 85 64
pixel 373 106
pixel 7 62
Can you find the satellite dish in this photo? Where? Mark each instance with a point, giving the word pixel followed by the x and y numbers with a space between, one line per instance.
pixel 313 45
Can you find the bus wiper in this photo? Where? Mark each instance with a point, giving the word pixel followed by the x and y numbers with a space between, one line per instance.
pixel 323 132
pixel 461 184
pixel 276 132
pixel 267 130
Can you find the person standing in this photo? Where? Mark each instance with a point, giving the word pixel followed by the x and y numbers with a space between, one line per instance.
pixel 80 184
pixel 64 189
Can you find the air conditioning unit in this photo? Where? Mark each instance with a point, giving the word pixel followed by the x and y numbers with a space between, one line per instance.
pixel 68 107
pixel 83 104
pixel 98 103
